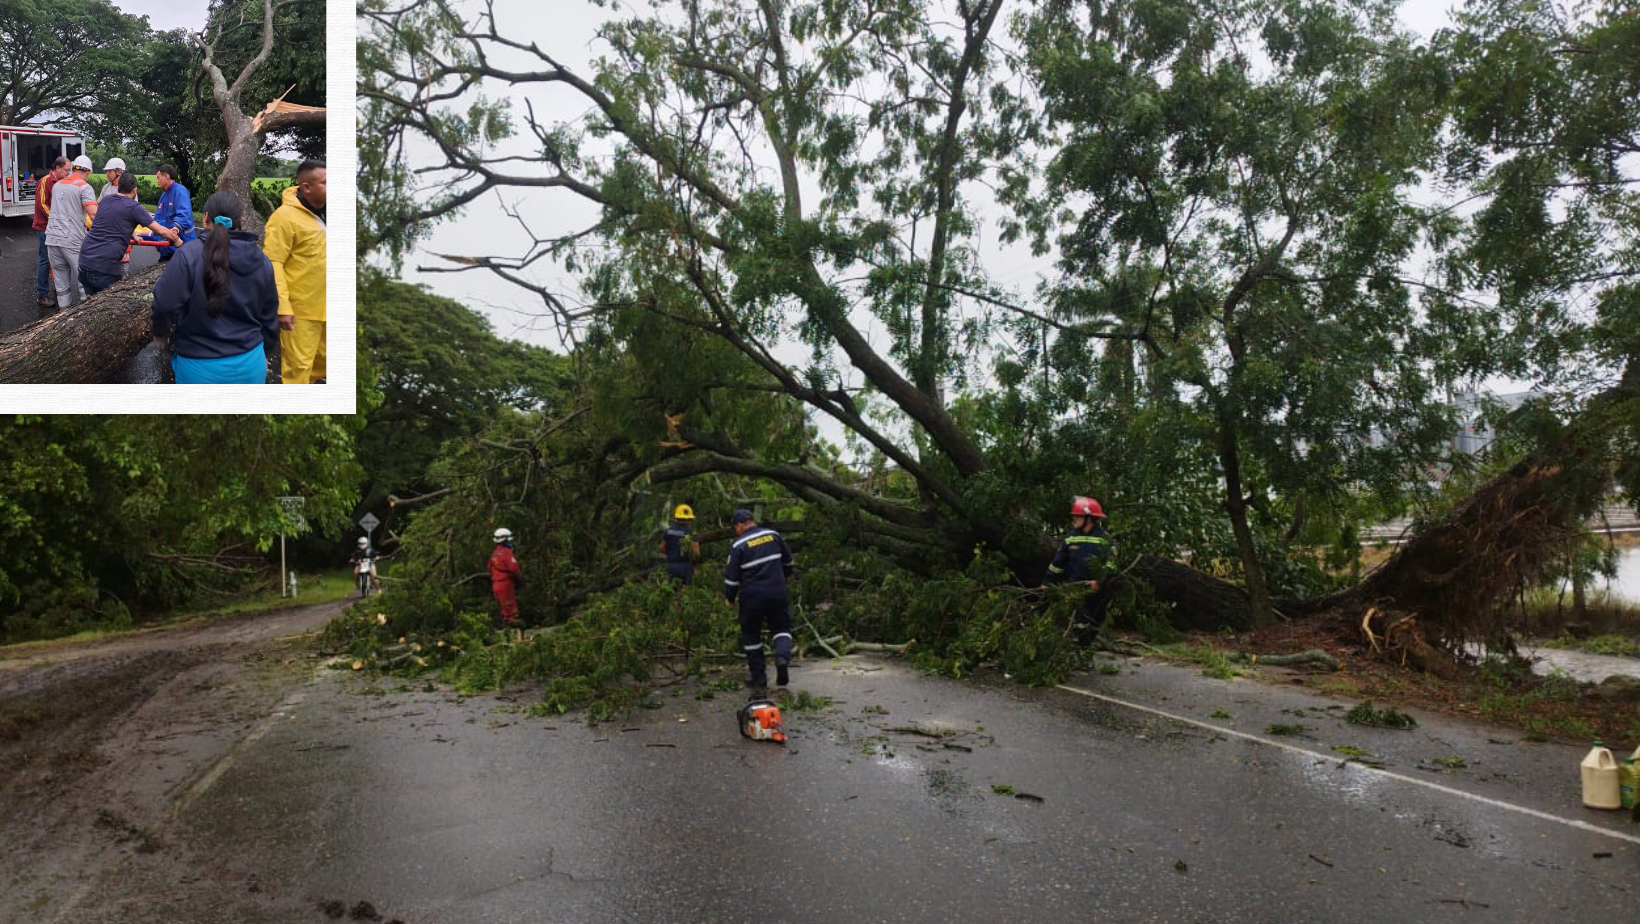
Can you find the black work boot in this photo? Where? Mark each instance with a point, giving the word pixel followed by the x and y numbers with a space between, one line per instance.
pixel 781 675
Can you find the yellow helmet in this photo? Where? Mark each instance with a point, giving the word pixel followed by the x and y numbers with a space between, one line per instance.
pixel 684 512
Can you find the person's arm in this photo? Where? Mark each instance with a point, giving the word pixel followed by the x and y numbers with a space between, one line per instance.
pixel 278 238
pixel 785 558
pixel 268 306
pixel 171 295
pixel 731 574
pixel 1056 568
pixel 185 211
pixel 153 224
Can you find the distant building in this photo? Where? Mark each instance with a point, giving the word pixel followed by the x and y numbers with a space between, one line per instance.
pixel 1474 433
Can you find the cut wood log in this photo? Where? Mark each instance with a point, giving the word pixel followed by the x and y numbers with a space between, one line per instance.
pixel 1312 656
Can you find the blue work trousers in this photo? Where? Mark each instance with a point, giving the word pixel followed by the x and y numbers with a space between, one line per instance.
pixel 753 614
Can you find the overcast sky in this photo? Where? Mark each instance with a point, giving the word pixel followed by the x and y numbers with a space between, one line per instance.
pixel 165 15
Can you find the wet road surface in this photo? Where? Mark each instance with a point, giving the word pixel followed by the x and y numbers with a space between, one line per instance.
pixel 1155 794
pixel 19 256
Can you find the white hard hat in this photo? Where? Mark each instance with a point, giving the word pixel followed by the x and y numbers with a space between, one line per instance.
pixel 83 162
pixel 503 533
pixel 114 163
pixel 364 541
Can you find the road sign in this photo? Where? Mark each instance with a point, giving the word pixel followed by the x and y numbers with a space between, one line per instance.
pixel 369 522
pixel 293 511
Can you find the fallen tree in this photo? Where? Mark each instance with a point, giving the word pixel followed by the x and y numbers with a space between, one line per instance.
pixel 90 342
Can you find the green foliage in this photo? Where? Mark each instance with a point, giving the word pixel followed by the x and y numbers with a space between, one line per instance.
pixel 113 518
pixel 74 60
pixel 442 374
pixel 1618 646
pixel 1253 224
pixel 603 658
pixel 147 189
pixel 1388 717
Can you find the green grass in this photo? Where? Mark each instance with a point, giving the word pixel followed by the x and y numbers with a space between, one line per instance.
pixel 1213 662
pixel 1616 645
pixel 325 587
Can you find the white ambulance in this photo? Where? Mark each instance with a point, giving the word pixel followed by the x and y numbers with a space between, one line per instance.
pixel 26 153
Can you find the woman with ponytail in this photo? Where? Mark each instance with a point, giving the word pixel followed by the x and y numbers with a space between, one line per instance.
pixel 216 303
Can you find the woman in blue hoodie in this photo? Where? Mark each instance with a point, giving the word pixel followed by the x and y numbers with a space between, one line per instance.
pixel 216 303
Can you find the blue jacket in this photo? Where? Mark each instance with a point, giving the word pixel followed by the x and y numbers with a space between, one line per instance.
pixel 1083 557
pixel 759 563
pixel 679 543
pixel 176 210
pixel 249 318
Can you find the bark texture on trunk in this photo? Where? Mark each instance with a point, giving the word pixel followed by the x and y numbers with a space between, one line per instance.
pixel 84 343
pixel 245 133
pixel 92 342
pixel 1200 601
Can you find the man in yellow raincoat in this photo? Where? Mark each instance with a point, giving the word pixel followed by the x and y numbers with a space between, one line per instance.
pixel 295 244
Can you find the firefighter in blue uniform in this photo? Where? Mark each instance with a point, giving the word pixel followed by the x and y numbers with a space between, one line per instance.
pixel 1086 556
pixel 681 546
pixel 759 564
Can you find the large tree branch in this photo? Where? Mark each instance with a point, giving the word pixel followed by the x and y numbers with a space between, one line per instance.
pixel 796 477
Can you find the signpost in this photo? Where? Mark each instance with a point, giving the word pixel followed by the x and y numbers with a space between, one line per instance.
pixel 369 522
pixel 293 516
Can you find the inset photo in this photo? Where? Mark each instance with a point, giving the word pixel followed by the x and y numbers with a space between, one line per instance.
pixel 162 193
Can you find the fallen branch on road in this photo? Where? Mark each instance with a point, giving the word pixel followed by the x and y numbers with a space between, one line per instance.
pixel 1312 656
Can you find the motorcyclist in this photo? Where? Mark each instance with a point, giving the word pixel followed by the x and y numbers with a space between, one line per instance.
pixel 366 554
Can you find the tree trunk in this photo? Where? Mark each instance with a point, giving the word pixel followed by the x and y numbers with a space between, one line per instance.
pixel 88 343
pixel 245 133
pixel 1235 503
pixel 244 144
pixel 85 343
pixel 1200 601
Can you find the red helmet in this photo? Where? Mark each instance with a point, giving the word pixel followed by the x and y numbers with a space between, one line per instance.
pixel 1086 507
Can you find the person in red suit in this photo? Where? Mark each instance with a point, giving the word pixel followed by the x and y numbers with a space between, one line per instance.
pixel 504 580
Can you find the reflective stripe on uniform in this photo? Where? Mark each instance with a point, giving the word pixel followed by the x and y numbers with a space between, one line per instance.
pixel 731 583
pixel 1086 540
pixel 758 561
pixel 750 536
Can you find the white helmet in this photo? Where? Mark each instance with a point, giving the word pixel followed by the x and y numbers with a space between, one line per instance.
pixel 364 542
pixel 503 533
pixel 114 163
pixel 83 163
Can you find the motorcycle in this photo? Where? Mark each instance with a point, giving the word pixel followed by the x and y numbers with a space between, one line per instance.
pixel 364 576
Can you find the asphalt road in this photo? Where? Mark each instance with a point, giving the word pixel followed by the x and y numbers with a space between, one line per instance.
pixel 1155 794
pixel 19 255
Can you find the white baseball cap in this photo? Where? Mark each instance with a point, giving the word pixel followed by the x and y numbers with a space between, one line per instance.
pixel 82 163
